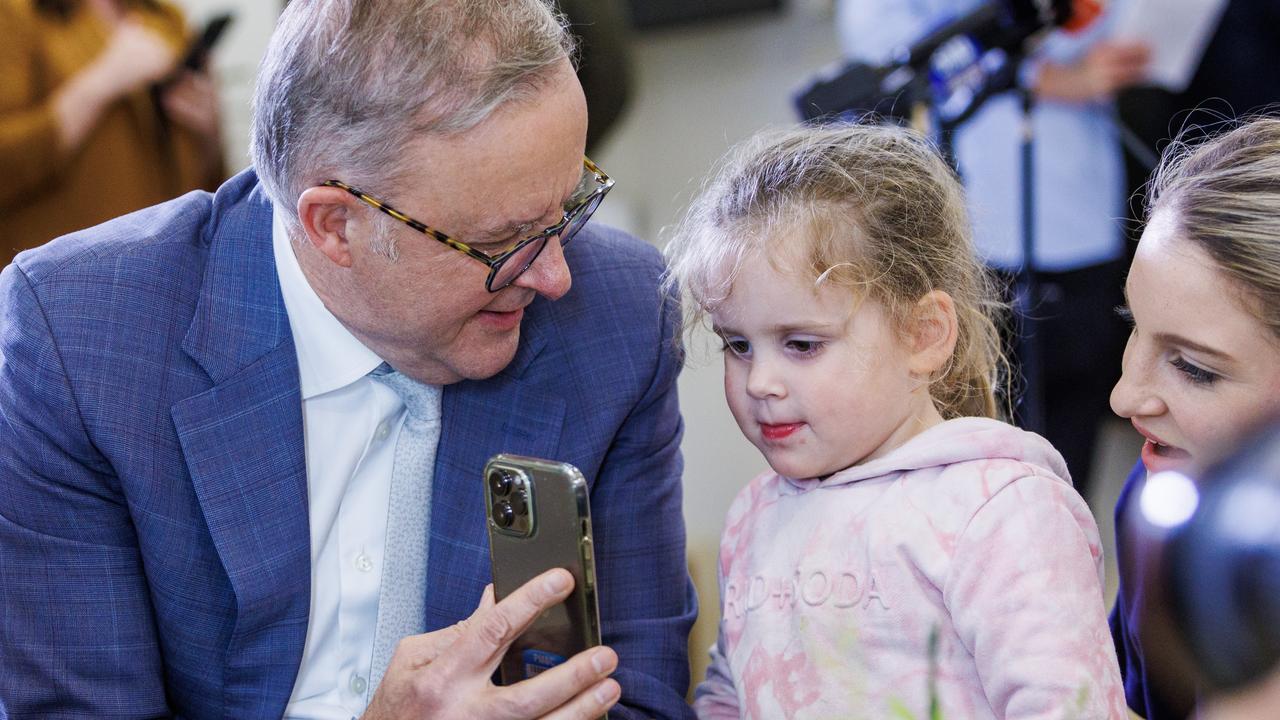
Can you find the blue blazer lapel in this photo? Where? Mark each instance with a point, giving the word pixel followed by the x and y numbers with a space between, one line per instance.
pixel 243 444
pixel 513 413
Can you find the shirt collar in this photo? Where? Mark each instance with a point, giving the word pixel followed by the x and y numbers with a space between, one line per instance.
pixel 329 356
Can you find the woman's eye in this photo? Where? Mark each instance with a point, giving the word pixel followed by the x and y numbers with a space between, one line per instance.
pixel 1126 315
pixel 1194 373
pixel 805 347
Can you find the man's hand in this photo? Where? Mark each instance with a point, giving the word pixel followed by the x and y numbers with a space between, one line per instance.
pixel 192 102
pixel 445 675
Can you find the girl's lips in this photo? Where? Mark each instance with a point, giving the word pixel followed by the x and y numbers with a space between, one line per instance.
pixel 778 432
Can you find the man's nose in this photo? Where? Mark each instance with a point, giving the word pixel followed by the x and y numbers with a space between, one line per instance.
pixel 549 274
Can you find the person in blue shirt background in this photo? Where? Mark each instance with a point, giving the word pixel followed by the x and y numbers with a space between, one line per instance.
pixel 1079 196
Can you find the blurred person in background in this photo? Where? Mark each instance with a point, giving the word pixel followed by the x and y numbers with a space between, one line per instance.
pixel 1079 195
pixel 83 135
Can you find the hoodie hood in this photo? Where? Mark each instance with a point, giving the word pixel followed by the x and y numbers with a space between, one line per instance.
pixel 947 443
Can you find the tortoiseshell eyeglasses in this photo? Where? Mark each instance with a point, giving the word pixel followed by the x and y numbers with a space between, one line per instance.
pixel 510 263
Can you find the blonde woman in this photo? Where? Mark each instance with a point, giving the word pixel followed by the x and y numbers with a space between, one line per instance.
pixel 1203 360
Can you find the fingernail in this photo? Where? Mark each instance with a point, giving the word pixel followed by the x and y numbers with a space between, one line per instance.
pixel 606 693
pixel 556 582
pixel 597 660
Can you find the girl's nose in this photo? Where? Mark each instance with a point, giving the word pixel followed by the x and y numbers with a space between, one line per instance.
pixel 764 380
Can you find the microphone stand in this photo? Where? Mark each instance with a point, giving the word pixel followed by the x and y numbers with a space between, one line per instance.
pixel 1026 286
pixel 1026 297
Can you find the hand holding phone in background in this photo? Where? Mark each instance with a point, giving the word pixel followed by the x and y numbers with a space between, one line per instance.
pixel 135 57
pixel 189 92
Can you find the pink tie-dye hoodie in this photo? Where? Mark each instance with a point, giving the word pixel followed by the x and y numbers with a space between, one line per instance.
pixel 962 568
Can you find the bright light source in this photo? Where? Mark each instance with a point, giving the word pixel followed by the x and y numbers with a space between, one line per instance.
pixel 1253 509
pixel 1168 499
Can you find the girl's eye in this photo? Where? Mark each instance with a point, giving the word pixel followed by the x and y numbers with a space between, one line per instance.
pixel 805 347
pixel 1126 315
pixel 737 346
pixel 1194 373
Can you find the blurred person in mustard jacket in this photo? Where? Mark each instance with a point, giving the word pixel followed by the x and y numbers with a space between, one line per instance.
pixel 84 136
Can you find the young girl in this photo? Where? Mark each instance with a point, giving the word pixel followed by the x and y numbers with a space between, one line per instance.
pixel 1203 361
pixel 908 556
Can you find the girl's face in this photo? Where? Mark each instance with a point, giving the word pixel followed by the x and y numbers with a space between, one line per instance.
pixel 1199 369
pixel 816 381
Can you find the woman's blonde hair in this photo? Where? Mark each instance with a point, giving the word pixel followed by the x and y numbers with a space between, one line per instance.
pixel 1224 195
pixel 873 208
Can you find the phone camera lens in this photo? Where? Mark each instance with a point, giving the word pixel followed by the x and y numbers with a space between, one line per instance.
pixel 499 483
pixel 520 503
pixel 503 514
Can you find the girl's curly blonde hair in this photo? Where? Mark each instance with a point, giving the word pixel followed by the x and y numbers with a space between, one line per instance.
pixel 873 208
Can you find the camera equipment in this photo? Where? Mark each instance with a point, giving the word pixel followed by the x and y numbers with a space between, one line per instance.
pixel 937 60
pixel 1223 570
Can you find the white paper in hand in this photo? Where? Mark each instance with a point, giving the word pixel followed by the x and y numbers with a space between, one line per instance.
pixel 1177 32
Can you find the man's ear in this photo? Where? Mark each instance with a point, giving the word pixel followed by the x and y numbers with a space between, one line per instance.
pixel 933 332
pixel 325 216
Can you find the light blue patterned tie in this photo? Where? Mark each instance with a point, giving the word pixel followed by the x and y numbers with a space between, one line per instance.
pixel 401 601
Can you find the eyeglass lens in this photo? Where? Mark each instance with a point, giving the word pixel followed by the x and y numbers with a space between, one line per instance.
pixel 514 266
pixel 523 258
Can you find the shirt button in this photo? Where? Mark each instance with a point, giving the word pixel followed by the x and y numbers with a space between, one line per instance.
pixel 382 432
pixel 364 563
pixel 358 684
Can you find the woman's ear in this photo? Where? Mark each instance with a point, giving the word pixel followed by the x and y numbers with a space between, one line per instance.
pixel 933 333
pixel 324 214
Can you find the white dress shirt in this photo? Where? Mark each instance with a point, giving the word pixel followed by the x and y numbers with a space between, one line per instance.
pixel 350 425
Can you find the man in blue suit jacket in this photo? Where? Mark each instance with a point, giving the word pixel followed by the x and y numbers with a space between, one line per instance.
pixel 157 455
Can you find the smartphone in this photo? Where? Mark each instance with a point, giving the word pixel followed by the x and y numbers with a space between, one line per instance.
pixel 197 53
pixel 539 518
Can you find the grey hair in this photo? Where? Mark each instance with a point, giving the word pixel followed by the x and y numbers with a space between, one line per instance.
pixel 347 85
pixel 872 208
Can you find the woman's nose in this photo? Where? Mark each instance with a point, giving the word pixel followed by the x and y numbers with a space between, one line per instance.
pixel 1135 395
